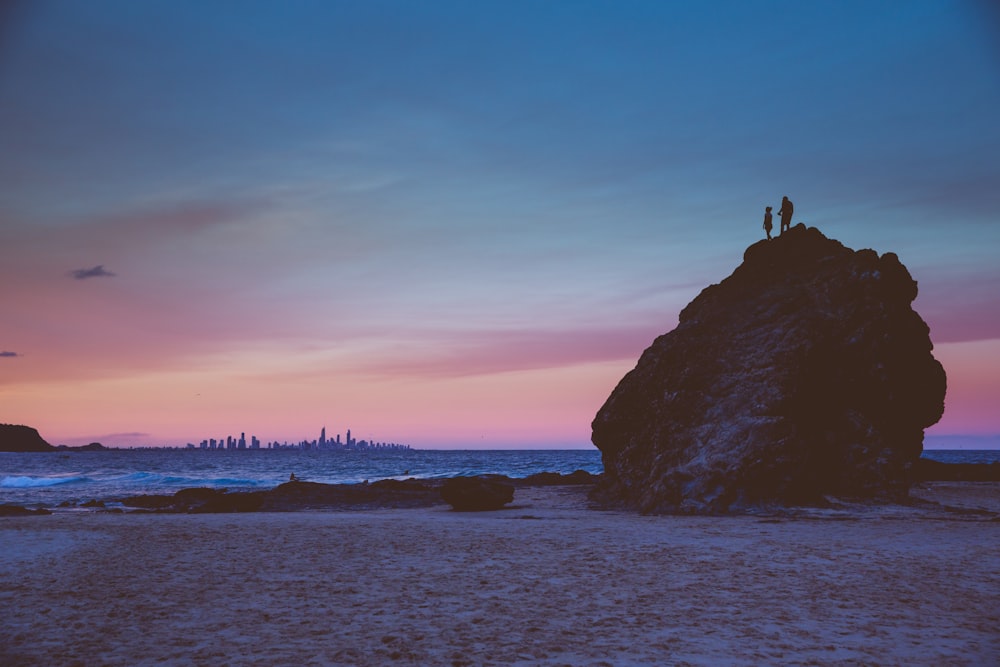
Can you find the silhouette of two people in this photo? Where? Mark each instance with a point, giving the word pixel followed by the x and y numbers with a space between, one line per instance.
pixel 786 217
pixel 786 214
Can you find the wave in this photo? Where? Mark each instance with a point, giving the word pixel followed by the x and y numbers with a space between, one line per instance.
pixel 26 482
pixel 117 474
pixel 154 479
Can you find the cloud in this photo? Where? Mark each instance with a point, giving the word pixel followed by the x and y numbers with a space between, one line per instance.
pixel 9 354
pixel 97 272
pixel 126 434
pixel 487 352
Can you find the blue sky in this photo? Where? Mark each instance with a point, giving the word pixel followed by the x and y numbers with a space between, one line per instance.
pixel 493 207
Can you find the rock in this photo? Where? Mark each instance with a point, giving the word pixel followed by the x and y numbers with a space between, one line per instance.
pixel 147 501
pixel 476 494
pixel 202 500
pixel 805 373
pixel 291 496
pixel 197 495
pixel 249 501
pixel 199 500
pixel 577 477
pixel 388 493
pixel 16 510
pixel 20 438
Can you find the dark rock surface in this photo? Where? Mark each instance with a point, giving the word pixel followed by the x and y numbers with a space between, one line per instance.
pixel 577 477
pixel 803 374
pixel 20 438
pixel 485 492
pixel 198 500
pixel 290 496
pixel 387 493
pixel 477 494
pixel 16 510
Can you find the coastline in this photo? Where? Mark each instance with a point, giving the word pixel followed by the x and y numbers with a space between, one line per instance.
pixel 90 478
pixel 549 580
pixel 298 494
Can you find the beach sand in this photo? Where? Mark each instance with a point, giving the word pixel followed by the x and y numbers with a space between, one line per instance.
pixel 549 581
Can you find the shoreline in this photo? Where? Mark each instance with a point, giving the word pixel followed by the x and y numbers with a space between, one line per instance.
pixel 393 493
pixel 549 580
pixel 297 495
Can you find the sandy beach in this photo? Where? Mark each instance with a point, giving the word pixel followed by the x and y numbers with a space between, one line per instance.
pixel 549 581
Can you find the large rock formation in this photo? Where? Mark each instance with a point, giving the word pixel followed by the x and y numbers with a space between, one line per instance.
pixel 805 373
pixel 19 438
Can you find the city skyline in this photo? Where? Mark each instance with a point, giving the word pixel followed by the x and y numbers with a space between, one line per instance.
pixel 319 444
pixel 459 222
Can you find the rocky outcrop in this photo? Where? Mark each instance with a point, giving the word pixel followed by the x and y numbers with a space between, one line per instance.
pixel 477 494
pixel 290 496
pixel 575 478
pixel 805 373
pixel 8 509
pixel 469 493
pixel 19 438
pixel 386 493
pixel 197 501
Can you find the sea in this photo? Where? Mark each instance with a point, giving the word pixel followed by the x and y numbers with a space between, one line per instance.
pixel 51 478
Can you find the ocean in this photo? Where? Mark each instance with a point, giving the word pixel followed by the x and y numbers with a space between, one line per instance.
pixel 47 479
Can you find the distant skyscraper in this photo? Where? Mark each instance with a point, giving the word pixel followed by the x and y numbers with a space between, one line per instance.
pixel 322 437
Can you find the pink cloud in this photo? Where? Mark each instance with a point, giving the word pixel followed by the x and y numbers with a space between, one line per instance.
pixel 485 351
pixel 960 303
pixel 159 309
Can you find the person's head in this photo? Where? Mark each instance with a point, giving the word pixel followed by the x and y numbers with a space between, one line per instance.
pixel 768 209
pixel 785 198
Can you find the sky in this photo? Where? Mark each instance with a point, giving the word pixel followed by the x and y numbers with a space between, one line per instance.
pixel 458 224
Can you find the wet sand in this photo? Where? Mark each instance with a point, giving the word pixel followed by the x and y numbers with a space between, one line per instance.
pixel 549 581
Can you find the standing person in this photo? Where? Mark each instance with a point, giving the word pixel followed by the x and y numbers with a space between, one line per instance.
pixel 786 214
pixel 768 225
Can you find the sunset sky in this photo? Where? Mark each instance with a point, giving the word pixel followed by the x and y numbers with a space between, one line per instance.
pixel 458 224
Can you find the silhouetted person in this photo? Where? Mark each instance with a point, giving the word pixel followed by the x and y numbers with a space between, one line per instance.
pixel 293 478
pixel 768 225
pixel 786 214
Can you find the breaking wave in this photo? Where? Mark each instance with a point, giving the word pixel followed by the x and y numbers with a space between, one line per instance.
pixel 27 482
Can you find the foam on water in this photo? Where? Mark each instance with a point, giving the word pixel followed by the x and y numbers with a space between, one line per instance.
pixel 28 482
pixel 143 479
pixel 48 479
